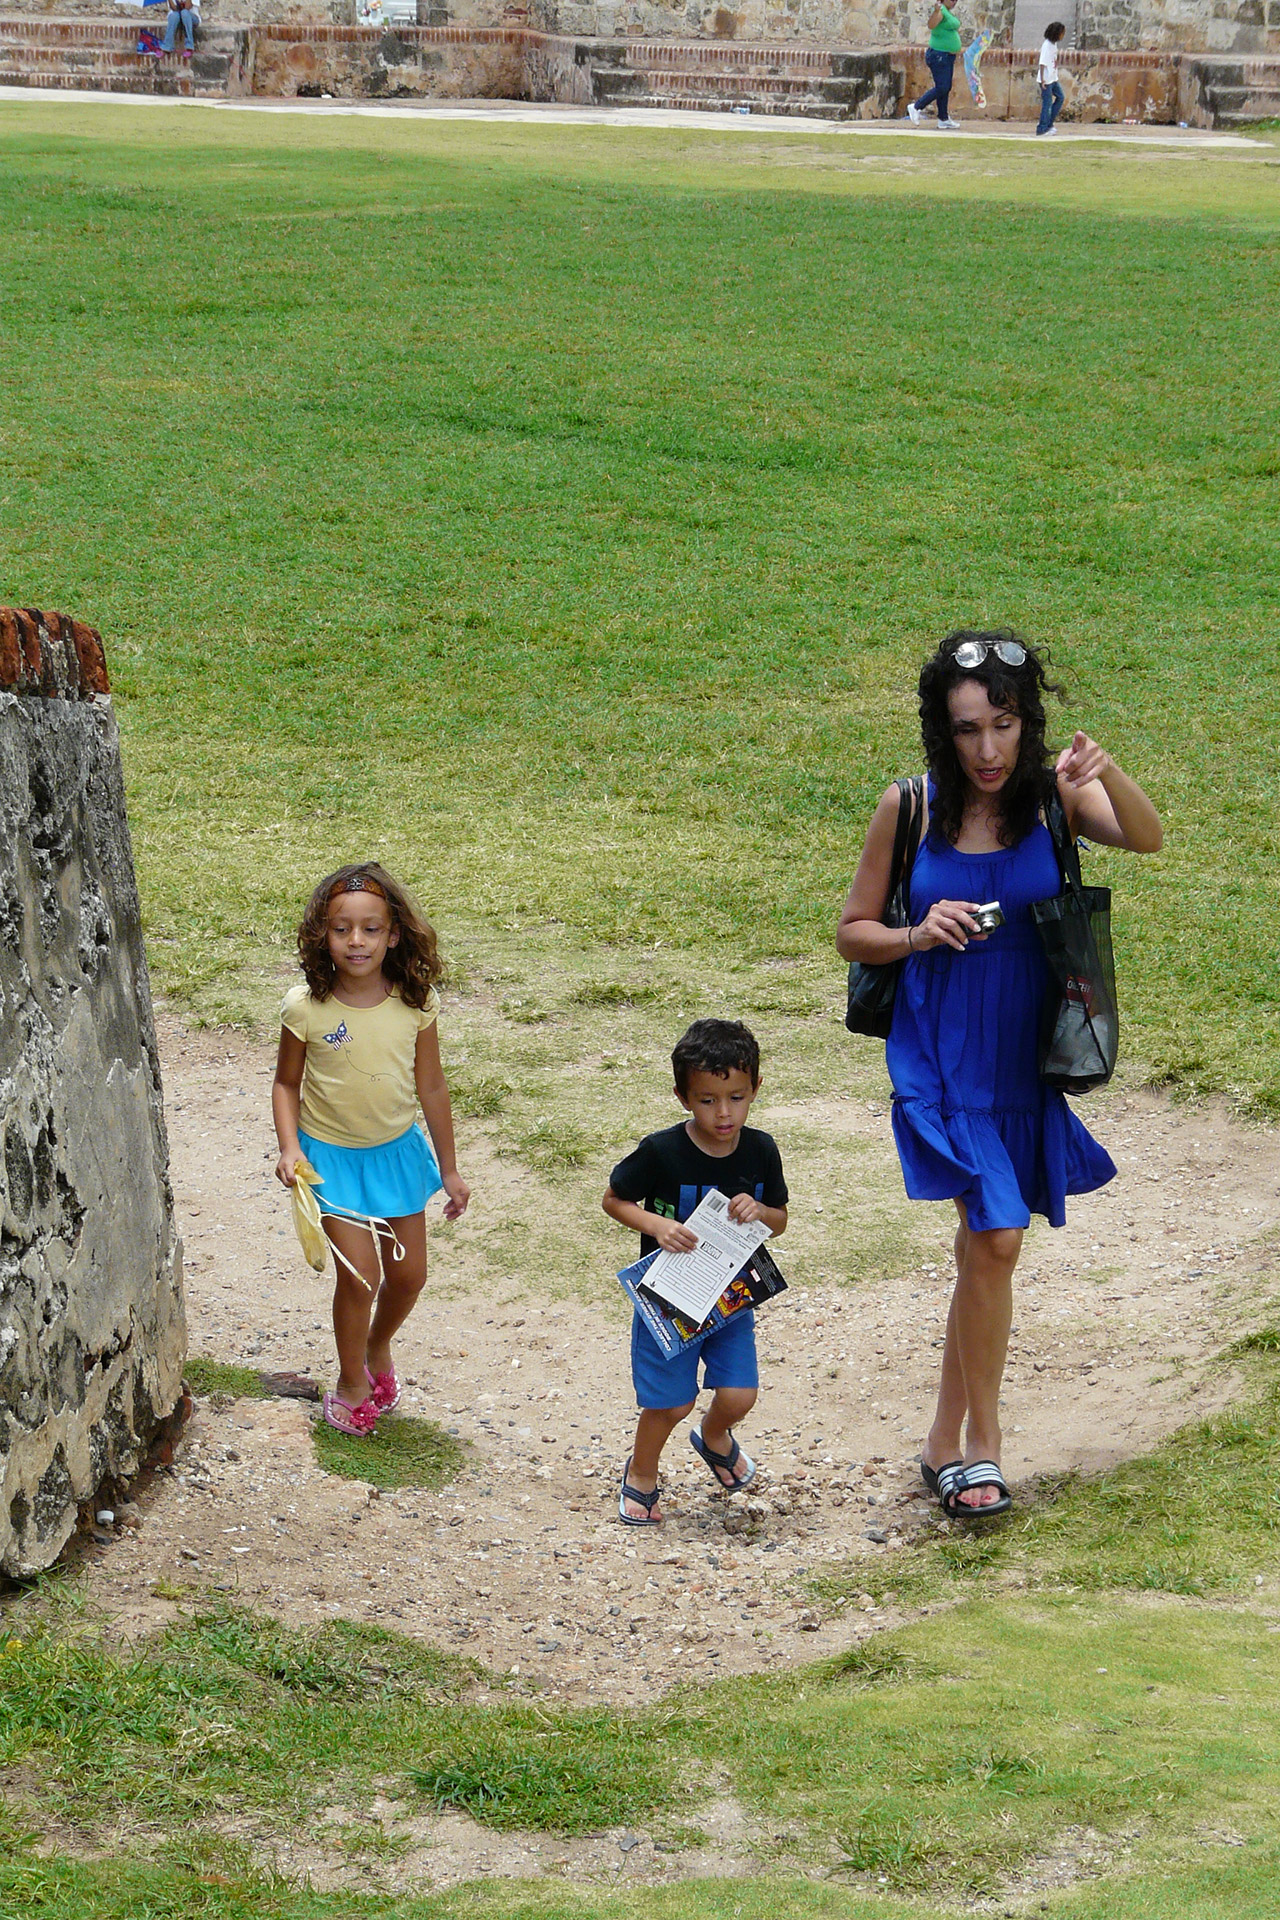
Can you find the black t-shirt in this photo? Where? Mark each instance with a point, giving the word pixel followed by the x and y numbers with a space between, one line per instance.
pixel 668 1174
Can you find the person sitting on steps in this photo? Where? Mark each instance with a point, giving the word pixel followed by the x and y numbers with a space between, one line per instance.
pixel 186 12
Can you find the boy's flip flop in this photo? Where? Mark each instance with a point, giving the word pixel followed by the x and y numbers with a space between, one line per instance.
pixel 359 1421
pixel 646 1500
pixel 726 1460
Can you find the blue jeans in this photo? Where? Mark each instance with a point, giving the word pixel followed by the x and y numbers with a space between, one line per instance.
pixel 1051 98
pixel 188 20
pixel 942 67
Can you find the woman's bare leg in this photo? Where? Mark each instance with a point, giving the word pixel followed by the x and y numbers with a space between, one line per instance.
pixel 975 1351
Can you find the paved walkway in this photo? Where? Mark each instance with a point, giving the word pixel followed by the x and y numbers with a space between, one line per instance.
pixel 529 113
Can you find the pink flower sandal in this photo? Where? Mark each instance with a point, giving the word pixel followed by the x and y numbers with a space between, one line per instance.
pixel 359 1421
pixel 384 1389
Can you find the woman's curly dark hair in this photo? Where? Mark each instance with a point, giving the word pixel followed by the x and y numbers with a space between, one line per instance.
pixel 413 965
pixel 1019 690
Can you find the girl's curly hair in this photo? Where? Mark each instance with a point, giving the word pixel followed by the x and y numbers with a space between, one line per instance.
pixel 1019 690
pixel 413 965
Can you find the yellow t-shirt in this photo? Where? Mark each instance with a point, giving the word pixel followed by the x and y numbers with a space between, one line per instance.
pixel 358 1088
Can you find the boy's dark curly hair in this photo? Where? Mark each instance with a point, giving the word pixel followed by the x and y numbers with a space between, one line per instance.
pixel 413 965
pixel 715 1046
pixel 1019 690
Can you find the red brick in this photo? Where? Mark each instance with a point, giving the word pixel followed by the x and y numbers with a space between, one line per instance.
pixel 10 650
pixel 93 661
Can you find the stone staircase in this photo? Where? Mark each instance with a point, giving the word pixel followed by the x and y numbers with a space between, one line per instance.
pixel 1236 92
pixel 810 82
pixel 102 56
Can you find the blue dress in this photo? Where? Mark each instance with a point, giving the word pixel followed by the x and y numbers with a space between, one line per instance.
pixel 971 1117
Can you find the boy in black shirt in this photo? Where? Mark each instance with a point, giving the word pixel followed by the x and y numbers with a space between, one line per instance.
pixel 655 1189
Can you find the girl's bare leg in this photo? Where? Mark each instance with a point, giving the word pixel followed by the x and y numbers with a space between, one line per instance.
pixel 402 1282
pixel 975 1350
pixel 352 1305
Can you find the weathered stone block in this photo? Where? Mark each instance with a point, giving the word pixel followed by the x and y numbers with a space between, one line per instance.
pixel 92 1333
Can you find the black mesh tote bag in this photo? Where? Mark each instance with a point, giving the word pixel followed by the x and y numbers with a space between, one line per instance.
pixel 872 988
pixel 1080 1034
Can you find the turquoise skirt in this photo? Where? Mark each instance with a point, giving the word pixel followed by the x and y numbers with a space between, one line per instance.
pixel 388 1182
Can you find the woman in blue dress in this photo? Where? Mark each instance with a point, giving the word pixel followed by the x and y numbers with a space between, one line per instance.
pixel 972 1120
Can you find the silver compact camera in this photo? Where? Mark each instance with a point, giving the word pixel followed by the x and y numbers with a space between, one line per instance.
pixel 989 917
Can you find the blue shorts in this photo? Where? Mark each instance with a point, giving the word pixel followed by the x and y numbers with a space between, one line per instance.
pixel 728 1359
pixel 387 1182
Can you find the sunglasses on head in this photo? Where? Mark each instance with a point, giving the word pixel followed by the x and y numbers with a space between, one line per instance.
pixel 972 653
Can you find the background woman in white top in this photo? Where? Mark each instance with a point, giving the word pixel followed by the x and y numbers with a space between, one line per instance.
pixel 1051 95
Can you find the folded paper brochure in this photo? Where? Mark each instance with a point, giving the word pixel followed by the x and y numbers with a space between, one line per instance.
pixel 758 1281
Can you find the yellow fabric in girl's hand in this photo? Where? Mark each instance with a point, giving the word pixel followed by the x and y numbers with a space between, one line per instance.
pixel 306 1216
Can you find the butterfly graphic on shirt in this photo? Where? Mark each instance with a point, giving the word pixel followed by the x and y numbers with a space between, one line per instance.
pixel 340 1038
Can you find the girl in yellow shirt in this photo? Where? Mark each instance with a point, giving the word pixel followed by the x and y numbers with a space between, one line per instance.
pixel 359 1053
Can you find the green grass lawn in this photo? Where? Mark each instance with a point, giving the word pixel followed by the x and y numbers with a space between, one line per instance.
pixel 562 515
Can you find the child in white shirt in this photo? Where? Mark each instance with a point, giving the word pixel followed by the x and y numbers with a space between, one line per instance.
pixel 1051 94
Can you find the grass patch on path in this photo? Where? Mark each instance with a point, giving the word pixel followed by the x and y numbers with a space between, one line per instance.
pixel 400 1452
pixel 224 1379
pixel 579 560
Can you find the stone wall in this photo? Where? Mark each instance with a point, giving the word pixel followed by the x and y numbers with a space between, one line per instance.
pixel 842 23
pixel 1180 26
pixel 1118 26
pixel 1099 88
pixel 92 1330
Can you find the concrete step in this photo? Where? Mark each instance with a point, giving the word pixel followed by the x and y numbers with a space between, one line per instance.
pixel 817 82
pixel 102 56
pixel 798 108
pixel 731 86
pixel 1243 103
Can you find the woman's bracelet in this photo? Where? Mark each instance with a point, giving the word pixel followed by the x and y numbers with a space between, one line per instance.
pixel 911 945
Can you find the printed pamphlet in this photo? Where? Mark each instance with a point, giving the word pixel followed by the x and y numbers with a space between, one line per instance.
pixel 758 1281
pixel 693 1282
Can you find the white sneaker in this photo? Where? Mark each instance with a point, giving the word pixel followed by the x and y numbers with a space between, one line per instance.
pixel 952 126
pixel 913 113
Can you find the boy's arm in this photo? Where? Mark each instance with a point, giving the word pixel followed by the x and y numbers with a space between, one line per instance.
pixel 742 1207
pixel 433 1097
pixel 671 1235
pixel 286 1102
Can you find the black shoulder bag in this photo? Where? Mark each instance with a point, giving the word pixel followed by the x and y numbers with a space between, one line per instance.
pixel 1080 1032
pixel 872 988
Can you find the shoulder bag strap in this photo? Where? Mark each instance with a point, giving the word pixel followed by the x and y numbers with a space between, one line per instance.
pixel 1063 845
pixel 898 862
pixel 915 789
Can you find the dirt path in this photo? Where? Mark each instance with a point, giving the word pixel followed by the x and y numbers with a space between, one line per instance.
pixel 521 1562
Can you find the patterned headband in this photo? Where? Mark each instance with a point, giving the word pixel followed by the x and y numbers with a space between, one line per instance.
pixel 358 883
